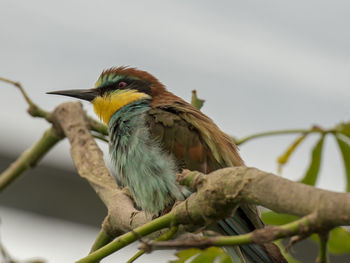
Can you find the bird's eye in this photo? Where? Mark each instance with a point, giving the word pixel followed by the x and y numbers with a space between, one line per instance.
pixel 122 85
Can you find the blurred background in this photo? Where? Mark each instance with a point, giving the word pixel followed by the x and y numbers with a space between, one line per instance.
pixel 260 65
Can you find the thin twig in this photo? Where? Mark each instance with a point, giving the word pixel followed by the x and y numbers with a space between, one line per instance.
pixel 102 239
pixel 97 126
pixel 281 132
pixel 100 137
pixel 4 255
pixel 323 251
pixel 259 236
pixel 19 86
pixel 166 236
pixel 34 110
pixel 128 238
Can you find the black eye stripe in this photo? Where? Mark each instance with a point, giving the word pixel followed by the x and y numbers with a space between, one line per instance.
pixel 111 86
pixel 130 84
pixel 106 88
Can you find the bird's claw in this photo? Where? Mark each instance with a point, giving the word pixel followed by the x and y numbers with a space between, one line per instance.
pixel 127 192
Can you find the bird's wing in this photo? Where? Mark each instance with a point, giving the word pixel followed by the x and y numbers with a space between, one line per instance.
pixel 195 132
pixel 184 132
pixel 181 139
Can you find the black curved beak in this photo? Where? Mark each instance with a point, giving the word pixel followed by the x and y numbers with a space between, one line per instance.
pixel 84 94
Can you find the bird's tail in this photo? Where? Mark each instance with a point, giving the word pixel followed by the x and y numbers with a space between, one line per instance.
pixel 252 253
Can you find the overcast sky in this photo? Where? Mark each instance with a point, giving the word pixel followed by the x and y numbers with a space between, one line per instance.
pixel 260 65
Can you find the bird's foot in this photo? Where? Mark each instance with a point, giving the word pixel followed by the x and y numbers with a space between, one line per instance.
pixel 127 192
pixel 180 176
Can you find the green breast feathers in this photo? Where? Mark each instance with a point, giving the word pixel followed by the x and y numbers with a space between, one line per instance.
pixel 140 162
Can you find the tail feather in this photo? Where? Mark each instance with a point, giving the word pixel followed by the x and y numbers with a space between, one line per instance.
pixel 251 253
pixel 240 224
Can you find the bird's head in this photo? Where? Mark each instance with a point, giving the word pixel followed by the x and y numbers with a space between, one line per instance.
pixel 116 88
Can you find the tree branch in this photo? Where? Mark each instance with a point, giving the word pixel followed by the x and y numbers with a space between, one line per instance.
pixel 50 138
pixel 258 236
pixel 224 188
pixel 88 160
pixel 30 158
pixel 166 236
pixel 35 111
pixel 219 192
pixel 128 238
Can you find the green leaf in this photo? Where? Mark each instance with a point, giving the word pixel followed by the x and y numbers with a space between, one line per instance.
pixel 339 241
pixel 284 157
pixel 312 172
pixel 273 218
pixel 195 101
pixel 209 255
pixel 343 128
pixel 183 255
pixel 344 147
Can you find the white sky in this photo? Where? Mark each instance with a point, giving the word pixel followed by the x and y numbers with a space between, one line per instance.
pixel 260 65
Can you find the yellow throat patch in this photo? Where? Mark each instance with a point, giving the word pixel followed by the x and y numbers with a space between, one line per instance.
pixel 106 106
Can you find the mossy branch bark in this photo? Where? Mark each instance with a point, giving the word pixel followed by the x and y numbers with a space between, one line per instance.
pixel 30 157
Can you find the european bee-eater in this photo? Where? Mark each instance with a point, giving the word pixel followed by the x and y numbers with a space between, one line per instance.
pixel 153 135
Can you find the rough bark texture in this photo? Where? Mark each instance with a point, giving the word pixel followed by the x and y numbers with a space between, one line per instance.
pixel 285 196
pixel 227 187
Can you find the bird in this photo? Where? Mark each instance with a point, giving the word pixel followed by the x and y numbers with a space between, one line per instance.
pixel 154 135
